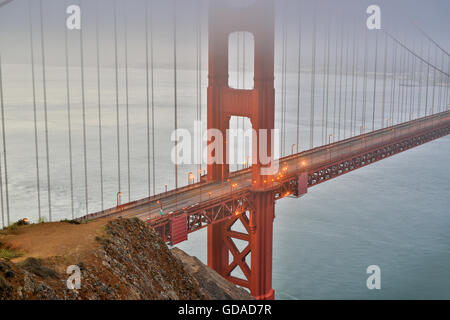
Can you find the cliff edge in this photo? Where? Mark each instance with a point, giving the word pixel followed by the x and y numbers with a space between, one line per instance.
pixel 117 259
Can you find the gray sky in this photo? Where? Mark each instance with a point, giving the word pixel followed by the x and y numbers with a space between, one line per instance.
pixel 398 17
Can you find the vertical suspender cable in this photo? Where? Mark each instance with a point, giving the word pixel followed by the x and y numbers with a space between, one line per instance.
pixel 313 82
pixel 116 67
pixel 100 138
pixel 328 80
pixel 434 83
pixel 335 83
pixel 346 87
pixel 400 85
pixel 299 80
pixel 419 98
pixel 383 103
pixel 33 82
pixel 353 82
pixel 394 75
pixel 355 98
pixel 340 81
pixel 69 120
pixel 152 78
pixel 406 88
pixel 44 83
pixel 147 87
pixel 427 82
pixel 283 88
pixel 363 119
pixel 83 104
pixel 127 104
pixel 375 82
pixel 323 90
pixel 200 97
pixel 175 89
pixel 413 79
pixel 238 56
pixel 149 79
pixel 2 105
pixel 440 85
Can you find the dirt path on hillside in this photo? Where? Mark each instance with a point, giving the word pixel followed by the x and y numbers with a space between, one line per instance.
pixel 58 239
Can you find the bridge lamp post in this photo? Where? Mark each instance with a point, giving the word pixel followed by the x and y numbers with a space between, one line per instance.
pixel 292 148
pixel 191 178
pixel 119 195
pixel 362 128
pixel 165 188
pixel 329 138
pixel 388 121
pixel 160 208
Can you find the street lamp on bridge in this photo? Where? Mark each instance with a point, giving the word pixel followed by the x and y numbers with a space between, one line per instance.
pixel 119 196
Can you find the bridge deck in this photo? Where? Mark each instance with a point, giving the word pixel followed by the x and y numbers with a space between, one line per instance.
pixel 320 164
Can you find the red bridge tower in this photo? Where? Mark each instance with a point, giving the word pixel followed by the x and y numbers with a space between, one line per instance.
pixel 257 104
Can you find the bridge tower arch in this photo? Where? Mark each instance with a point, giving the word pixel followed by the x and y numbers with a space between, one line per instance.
pixel 258 104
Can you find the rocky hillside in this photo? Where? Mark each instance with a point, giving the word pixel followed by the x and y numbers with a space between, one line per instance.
pixel 118 259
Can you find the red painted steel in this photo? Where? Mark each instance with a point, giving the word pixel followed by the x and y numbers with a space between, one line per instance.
pixel 178 229
pixel 302 187
pixel 258 105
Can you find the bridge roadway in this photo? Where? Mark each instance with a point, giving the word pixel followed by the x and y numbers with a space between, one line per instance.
pixel 196 196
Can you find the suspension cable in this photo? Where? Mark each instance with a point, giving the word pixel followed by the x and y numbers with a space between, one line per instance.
pixel 383 103
pixel 152 76
pixel 375 82
pixel 175 89
pixel 363 119
pixel 69 121
pixel 116 67
pixel 44 89
pixel 313 82
pixel 328 78
pixel 340 81
pixel 335 82
pixel 352 106
pixel 33 83
pixel 323 89
pixel 2 105
pixel 127 104
pixel 199 86
pixel 99 102
pixel 83 104
pixel 419 99
pixel 346 87
pixel 394 75
pixel 283 88
pixel 299 80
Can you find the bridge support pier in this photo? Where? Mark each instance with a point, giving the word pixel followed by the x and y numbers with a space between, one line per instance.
pixel 258 224
pixel 261 240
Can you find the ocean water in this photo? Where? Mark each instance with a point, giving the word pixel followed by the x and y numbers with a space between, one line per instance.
pixel 394 214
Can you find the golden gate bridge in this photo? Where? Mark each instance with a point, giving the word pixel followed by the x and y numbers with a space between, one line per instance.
pixel 402 104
